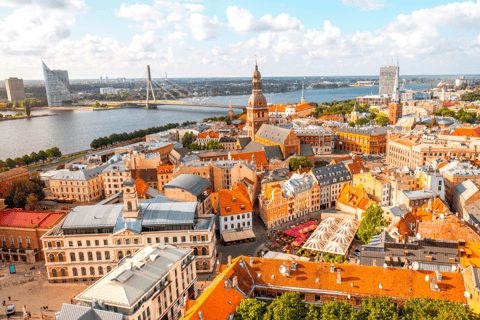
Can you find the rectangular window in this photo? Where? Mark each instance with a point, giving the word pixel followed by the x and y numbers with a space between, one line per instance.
pixel 157 240
pixel 79 243
pixel 165 239
pixel 183 239
pixel 194 238
pixel 135 241
pixel 105 242
pixel 302 296
pixel 174 239
pixel 97 242
pixel 70 243
pixel 317 297
pixel 88 243
pixel 127 241
pixel 119 242
pixel 204 239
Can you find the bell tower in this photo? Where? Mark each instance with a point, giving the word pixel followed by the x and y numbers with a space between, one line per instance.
pixel 131 209
pixel 257 109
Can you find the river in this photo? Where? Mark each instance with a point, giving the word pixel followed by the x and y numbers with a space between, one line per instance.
pixel 74 130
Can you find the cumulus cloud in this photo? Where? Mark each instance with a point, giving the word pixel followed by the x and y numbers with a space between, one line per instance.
pixel 366 5
pixel 202 27
pixel 68 5
pixel 242 21
pixel 139 12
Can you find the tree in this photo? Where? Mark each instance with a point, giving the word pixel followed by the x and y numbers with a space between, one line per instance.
pixel 372 223
pixel 188 138
pixel 34 157
pixel 31 202
pixel 213 145
pixel 19 162
pixel 9 163
pixel 42 155
pixel 21 189
pixel 26 104
pixel 289 306
pixel 26 159
pixel 35 177
pixel 334 310
pixel 351 124
pixel 377 309
pixel 435 309
pixel 296 163
pixel 250 309
pixel 372 116
pixel 313 312
pixel 361 121
pixel 382 120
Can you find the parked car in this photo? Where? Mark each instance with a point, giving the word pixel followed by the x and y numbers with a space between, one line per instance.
pixel 10 310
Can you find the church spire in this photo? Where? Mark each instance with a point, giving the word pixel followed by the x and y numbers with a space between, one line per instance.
pixel 230 111
pixel 303 96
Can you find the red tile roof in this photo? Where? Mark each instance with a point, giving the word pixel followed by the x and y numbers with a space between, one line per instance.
pixel 234 200
pixel 354 197
pixel 22 218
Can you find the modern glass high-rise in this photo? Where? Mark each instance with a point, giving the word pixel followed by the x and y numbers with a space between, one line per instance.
pixel 57 86
pixel 388 75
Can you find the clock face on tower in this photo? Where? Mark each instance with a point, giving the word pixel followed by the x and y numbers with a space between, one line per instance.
pixel 260 103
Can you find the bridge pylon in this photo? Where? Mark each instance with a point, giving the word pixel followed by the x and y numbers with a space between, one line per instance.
pixel 150 88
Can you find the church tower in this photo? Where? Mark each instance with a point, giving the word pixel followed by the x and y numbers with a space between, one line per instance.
pixel 355 114
pixel 395 109
pixel 257 109
pixel 131 209
pixel 303 96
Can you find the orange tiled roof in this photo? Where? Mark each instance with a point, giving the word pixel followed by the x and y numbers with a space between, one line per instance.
pixel 30 219
pixel 365 280
pixel 259 157
pixel 13 172
pixel 424 214
pixel 354 197
pixel 208 134
pixel 234 200
pixel 141 187
pixel 302 107
pixel 338 160
pixel 470 255
pixel 240 187
pixel 269 192
pixel 407 143
pixel 450 228
pixel 404 224
pixel 356 167
pixel 468 132
pixel 242 117
pixel 278 107
pixel 165 168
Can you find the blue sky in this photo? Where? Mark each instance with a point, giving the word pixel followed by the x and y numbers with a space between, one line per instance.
pixel 221 38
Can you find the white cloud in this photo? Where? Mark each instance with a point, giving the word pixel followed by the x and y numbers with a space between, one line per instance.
pixel 202 27
pixel 67 5
pixel 366 5
pixel 139 12
pixel 242 21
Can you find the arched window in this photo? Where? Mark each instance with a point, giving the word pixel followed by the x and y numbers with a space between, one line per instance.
pixel 92 271
pixel 51 257
pixel 129 253
pixel 84 271
pixel 90 256
pixel 109 268
pixel 100 270
pixel 204 251
pixel 197 265
pixel 60 257
pixel 81 257
pixel 28 242
pixel 195 251
pixel 205 266
pixel 63 273
pixel 54 273
pixel 12 242
pixel 107 255
pixel 19 241
pixel 129 206
pixel 75 272
pixel 120 255
pixel 72 256
pixel 99 256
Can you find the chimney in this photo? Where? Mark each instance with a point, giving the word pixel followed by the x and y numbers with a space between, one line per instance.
pixel 229 260
pixel 131 265
pixel 332 268
pixel 374 262
pixel 235 282
pixel 339 275
pixel 251 261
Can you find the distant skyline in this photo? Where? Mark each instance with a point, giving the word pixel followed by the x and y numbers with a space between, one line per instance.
pixel 93 39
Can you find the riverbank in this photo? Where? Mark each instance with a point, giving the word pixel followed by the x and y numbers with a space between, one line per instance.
pixel 38 115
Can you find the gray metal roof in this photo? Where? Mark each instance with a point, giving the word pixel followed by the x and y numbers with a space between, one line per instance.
pixel 369 131
pixel 272 133
pixel 80 175
pixel 466 189
pixel 93 216
pixel 325 175
pixel 297 184
pixel 189 182
pixel 276 175
pixel 151 264
pixel 244 141
pixel 169 213
pixel 418 194
pixel 76 312
pixel 116 167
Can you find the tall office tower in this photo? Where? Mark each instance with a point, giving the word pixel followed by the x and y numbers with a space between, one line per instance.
pixel 57 86
pixel 388 76
pixel 15 89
